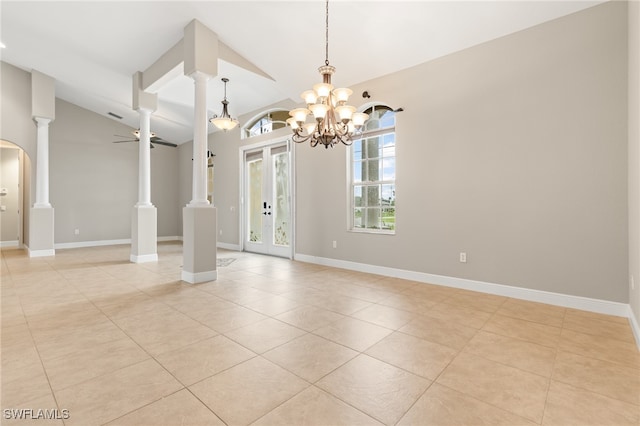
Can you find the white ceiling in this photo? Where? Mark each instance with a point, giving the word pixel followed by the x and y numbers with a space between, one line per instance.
pixel 92 48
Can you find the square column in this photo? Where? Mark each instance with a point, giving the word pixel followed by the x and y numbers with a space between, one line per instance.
pixel 199 244
pixel 41 232
pixel 144 246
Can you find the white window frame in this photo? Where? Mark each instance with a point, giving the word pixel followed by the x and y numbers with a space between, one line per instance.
pixel 352 184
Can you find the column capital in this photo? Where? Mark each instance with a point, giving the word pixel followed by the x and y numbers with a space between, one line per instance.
pixel 42 121
pixel 200 77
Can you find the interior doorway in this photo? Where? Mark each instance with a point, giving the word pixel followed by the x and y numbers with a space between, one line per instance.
pixel 11 194
pixel 266 195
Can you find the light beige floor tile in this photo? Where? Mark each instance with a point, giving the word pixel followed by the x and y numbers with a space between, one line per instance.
pixel 273 305
pixel 579 314
pixel 41 411
pixel 203 359
pixel 599 327
pixel 248 391
pixel 440 331
pixel 462 315
pixel 606 349
pixel 533 332
pixel 57 345
pixel 378 389
pixel 353 333
pixel 26 384
pixel 108 397
pixel 384 316
pixel 475 300
pixel 410 302
pixel 341 304
pixel 180 408
pixel 443 406
pixel 509 388
pixel 92 362
pixel 314 407
pixel 228 319
pixel 606 378
pixel 532 311
pixel 264 335
pixel 517 353
pixel 568 405
pixel 421 357
pixel 309 318
pixel 310 357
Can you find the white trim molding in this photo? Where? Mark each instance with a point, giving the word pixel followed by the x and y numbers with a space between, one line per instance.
pixel 144 258
pixel 227 246
pixel 41 253
pixel 565 300
pixel 81 244
pixel 199 277
pixel 7 244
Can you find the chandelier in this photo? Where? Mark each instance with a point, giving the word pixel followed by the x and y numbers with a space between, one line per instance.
pixel 224 122
pixel 333 120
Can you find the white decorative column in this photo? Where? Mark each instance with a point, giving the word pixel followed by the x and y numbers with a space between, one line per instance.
pixel 41 218
pixel 144 217
pixel 199 217
pixel 42 163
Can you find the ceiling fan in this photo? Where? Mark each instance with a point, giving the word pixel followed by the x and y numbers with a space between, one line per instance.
pixel 154 139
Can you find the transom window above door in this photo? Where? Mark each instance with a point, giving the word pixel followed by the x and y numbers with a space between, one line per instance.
pixel 265 123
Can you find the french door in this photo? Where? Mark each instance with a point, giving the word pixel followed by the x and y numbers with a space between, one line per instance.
pixel 267 200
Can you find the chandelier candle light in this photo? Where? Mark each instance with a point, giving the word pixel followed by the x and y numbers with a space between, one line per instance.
pixel 335 121
pixel 224 122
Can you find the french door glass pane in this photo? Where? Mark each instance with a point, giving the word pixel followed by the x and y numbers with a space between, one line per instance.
pixel 281 197
pixel 255 201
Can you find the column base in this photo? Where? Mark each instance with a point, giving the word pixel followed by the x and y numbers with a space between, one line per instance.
pixel 41 226
pixel 144 234
pixel 199 244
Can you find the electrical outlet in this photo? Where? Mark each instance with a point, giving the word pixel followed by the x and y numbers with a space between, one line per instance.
pixel 632 283
pixel 76 231
pixel 220 232
pixel 463 257
pixel 335 244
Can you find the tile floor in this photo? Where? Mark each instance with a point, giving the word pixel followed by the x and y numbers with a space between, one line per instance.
pixel 276 342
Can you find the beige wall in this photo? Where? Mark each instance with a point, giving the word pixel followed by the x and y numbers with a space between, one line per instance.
pixel 94 182
pixel 634 155
pixel 514 151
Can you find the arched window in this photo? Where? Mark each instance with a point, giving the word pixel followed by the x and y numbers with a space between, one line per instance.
pixel 373 173
pixel 266 123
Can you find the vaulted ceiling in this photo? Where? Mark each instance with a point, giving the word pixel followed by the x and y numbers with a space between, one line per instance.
pixel 92 48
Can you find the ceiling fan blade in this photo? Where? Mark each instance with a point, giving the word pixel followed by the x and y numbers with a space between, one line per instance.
pixel 162 142
pixel 131 140
pixel 152 146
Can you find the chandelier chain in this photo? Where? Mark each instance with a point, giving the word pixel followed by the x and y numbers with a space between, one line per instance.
pixel 326 44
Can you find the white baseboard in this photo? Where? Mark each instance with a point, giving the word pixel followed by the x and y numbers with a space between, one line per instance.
pixel 144 258
pixel 41 253
pixel 565 300
pixel 227 246
pixel 199 277
pixel 635 327
pixel 81 244
pixel 7 244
